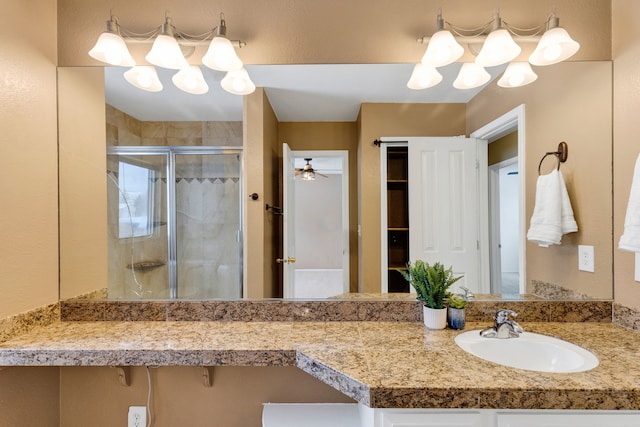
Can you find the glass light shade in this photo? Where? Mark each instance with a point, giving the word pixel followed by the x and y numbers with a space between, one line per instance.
pixel 111 49
pixel 443 49
pixel 554 46
pixel 423 77
pixel 166 53
pixel 238 82
pixel 499 48
pixel 144 77
pixel 190 80
pixel 517 74
pixel 471 75
pixel 221 55
pixel 308 175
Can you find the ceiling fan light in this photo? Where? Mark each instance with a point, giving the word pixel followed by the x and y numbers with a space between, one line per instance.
pixel 423 77
pixel 190 80
pixel 555 46
pixel 238 82
pixel 308 175
pixel 144 77
pixel 166 53
pixel 111 48
pixel 443 49
pixel 471 75
pixel 517 74
pixel 498 49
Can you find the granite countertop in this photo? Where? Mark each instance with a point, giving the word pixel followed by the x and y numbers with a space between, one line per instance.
pixel 381 364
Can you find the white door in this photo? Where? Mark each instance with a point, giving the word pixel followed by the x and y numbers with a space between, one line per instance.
pixel 444 205
pixel 288 223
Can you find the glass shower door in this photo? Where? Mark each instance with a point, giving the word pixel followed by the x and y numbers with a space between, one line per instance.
pixel 137 218
pixel 208 218
pixel 174 222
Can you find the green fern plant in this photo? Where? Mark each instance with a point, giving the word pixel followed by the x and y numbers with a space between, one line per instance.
pixel 431 282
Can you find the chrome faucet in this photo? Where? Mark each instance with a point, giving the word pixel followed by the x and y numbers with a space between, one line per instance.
pixel 504 327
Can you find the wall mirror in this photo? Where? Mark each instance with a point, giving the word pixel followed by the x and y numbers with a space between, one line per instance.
pixel 286 102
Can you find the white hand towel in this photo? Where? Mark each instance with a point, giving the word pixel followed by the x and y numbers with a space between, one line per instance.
pixel 552 214
pixel 569 224
pixel 630 239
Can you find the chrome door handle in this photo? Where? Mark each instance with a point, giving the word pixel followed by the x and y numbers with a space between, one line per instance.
pixel 286 260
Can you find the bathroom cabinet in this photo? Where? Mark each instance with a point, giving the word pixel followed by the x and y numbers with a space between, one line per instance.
pixel 358 415
pixel 496 418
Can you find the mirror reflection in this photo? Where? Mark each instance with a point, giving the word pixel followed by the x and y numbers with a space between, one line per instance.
pixel 386 116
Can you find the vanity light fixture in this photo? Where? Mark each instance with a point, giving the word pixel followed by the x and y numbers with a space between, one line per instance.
pixel 167 51
pixel 190 80
pixel 111 48
pixel 443 49
pixel 555 46
pixel 500 45
pixel 144 77
pixel 238 82
pixel 471 76
pixel 517 74
pixel 424 76
pixel 221 55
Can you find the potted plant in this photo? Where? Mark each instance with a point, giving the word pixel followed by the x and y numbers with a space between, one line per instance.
pixel 456 312
pixel 432 283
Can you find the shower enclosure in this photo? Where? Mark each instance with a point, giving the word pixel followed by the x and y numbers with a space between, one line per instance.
pixel 175 228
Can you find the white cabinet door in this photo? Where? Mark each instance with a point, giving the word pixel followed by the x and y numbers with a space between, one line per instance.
pixel 432 419
pixel 569 419
pixel 444 205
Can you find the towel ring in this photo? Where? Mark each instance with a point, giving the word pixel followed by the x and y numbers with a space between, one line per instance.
pixel 561 155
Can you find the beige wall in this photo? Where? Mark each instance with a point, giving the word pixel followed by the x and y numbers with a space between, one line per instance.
pixel 30 396
pixel 82 174
pixel 260 133
pixel 92 395
pixel 28 149
pixel 331 136
pixel 504 148
pixel 380 120
pixel 626 148
pixel 569 102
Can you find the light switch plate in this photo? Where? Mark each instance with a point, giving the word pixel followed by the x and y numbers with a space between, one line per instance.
pixel 586 258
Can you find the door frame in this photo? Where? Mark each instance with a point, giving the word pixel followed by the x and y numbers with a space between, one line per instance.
pixel 511 121
pixel 344 155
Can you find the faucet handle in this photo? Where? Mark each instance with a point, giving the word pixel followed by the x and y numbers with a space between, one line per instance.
pixel 503 315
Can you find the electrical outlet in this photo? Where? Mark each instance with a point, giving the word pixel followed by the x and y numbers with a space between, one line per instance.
pixel 586 258
pixel 137 416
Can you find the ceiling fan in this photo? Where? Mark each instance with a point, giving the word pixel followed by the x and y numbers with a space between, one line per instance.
pixel 307 172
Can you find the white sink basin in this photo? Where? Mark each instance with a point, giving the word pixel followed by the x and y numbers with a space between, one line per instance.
pixel 530 351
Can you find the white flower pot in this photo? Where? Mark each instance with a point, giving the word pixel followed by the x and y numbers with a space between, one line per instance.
pixel 435 318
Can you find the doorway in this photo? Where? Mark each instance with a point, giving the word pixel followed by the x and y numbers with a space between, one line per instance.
pixel 315 223
pixel 504 225
pixel 510 122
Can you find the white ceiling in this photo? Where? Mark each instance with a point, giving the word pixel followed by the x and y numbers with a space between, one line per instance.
pixel 298 93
